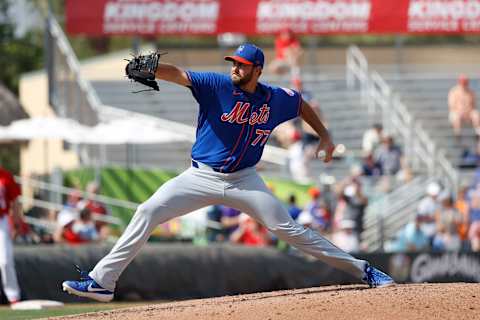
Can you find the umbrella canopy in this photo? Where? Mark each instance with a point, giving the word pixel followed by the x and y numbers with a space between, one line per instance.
pixel 123 131
pixel 45 128
pixel 120 131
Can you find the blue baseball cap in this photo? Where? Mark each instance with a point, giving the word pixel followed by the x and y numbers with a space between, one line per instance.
pixel 248 54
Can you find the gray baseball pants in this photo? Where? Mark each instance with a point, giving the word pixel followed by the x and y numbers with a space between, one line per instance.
pixel 196 188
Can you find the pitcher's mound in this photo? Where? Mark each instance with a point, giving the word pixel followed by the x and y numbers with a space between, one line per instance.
pixel 412 301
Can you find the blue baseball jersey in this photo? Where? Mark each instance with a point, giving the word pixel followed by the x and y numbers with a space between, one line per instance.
pixel 234 125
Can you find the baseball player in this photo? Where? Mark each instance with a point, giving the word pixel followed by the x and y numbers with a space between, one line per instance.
pixel 9 192
pixel 236 116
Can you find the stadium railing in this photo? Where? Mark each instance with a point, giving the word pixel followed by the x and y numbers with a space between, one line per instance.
pixel 396 119
pixel 387 216
pixel 65 191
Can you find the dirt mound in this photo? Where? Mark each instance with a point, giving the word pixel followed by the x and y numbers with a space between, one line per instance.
pixel 412 301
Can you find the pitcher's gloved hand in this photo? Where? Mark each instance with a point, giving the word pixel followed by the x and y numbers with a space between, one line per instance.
pixel 142 69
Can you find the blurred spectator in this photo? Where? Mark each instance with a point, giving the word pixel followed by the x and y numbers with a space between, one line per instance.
pixel 474 218
pixel 214 225
pixel 298 162
pixel 321 216
pixel 339 213
pixel 302 144
pixel 84 226
pixel 305 219
pixel 476 178
pixel 9 206
pixel 462 108
pixel 470 158
pixel 448 220
pixel 346 237
pixel 250 233
pixel 293 208
pixel 69 211
pixel 370 167
pixel 327 188
pixel 411 238
pixel 389 156
pixel 230 220
pixel 372 138
pixel 288 51
pixel 73 198
pixel 461 204
pixel 427 208
pixel 405 174
pixel 22 233
pixel 356 202
pixel 97 209
pixel 285 134
pixel 46 234
pixel 64 232
pixel 70 216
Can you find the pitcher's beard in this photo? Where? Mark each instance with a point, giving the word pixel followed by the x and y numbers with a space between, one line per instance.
pixel 238 81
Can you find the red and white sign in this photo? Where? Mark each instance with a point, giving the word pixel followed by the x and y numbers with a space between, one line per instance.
pixel 147 17
pixel 321 16
pixel 451 16
pixel 211 17
pixel 164 17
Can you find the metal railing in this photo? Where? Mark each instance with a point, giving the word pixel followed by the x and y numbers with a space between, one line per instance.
pixel 396 119
pixel 357 71
pixel 68 93
pixel 385 217
pixel 65 191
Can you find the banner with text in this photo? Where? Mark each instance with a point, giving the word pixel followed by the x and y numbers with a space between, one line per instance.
pixel 211 17
pixel 429 267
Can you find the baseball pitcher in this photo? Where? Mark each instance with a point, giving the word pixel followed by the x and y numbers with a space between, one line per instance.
pixel 237 114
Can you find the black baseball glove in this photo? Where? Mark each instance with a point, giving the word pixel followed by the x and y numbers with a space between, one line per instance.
pixel 142 69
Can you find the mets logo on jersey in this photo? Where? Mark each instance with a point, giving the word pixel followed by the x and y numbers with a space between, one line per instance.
pixel 289 92
pixel 240 111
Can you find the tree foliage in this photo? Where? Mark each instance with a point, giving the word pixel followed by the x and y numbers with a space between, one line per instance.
pixel 19 55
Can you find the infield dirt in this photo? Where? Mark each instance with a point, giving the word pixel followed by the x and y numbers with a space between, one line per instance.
pixel 406 301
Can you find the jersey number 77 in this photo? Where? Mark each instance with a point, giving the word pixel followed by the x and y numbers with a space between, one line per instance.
pixel 262 135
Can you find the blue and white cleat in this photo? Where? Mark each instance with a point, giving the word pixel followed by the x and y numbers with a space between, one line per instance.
pixel 376 278
pixel 88 288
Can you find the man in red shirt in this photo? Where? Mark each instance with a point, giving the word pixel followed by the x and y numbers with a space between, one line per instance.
pixel 9 192
pixel 250 233
pixel 287 56
pixel 97 209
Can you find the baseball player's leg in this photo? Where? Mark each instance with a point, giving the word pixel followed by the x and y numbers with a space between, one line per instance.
pixel 253 197
pixel 191 190
pixel 7 266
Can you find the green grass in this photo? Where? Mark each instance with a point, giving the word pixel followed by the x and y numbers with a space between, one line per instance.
pixel 72 308
pixel 283 188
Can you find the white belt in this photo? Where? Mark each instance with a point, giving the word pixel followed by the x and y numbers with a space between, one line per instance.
pixel 203 166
